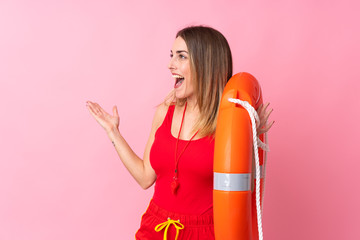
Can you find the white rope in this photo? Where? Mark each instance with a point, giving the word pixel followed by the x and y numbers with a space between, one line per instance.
pixel 264 171
pixel 263 145
pixel 254 119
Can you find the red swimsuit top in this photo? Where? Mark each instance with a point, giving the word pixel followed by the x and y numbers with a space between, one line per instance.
pixel 195 171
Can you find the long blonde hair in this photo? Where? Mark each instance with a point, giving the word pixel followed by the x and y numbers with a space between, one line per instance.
pixel 211 68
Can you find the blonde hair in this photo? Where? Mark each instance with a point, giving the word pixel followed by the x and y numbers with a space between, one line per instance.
pixel 211 68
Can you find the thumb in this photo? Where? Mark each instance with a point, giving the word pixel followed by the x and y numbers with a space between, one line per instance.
pixel 115 111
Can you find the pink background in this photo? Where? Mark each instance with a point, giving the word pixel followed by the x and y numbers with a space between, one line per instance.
pixel 60 177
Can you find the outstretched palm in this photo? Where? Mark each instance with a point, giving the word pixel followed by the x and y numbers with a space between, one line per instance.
pixel 106 120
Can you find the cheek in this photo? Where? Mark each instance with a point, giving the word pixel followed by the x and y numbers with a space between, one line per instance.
pixel 189 77
pixel 190 84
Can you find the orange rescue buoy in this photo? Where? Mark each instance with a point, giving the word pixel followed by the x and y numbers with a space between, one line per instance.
pixel 235 213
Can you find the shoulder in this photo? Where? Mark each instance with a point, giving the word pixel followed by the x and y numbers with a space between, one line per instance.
pixel 162 109
pixel 161 112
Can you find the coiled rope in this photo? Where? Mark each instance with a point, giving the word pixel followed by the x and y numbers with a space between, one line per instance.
pixel 257 143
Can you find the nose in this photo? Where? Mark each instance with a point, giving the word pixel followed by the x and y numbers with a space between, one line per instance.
pixel 171 64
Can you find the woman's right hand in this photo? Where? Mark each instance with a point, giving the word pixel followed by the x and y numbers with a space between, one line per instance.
pixel 107 121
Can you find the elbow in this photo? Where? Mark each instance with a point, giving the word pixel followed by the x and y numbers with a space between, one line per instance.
pixel 143 186
pixel 146 184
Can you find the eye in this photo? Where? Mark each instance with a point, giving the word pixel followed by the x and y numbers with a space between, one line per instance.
pixel 171 55
pixel 182 56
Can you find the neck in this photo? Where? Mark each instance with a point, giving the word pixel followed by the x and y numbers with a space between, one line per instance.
pixel 192 104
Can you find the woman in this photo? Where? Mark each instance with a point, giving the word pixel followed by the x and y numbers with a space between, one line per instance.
pixel 179 153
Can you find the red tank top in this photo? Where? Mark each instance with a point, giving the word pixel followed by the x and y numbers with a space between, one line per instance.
pixel 195 169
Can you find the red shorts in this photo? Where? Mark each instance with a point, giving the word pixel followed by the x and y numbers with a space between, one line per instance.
pixel 196 227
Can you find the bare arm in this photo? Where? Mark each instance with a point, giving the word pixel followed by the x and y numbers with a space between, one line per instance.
pixel 139 168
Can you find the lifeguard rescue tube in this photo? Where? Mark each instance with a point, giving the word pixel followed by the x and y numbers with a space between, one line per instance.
pixel 235 215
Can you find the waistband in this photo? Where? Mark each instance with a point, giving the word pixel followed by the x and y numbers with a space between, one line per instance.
pixel 187 220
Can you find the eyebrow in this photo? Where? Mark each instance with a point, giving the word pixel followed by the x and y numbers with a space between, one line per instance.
pixel 180 51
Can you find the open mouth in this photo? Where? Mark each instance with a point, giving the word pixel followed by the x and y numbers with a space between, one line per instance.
pixel 178 80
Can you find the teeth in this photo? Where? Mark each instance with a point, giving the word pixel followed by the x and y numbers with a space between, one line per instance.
pixel 177 76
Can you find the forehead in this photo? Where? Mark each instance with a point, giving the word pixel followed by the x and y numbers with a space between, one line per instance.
pixel 179 44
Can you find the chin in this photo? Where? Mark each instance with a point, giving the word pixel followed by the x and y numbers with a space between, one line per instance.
pixel 180 95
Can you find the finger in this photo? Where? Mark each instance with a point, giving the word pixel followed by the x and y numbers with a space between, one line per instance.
pixel 268 115
pixel 264 113
pixel 265 108
pixel 267 128
pixel 99 109
pixel 88 103
pixel 92 111
pixel 115 111
pixel 262 119
pixel 92 106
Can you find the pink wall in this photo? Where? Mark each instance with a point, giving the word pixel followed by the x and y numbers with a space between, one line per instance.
pixel 60 177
